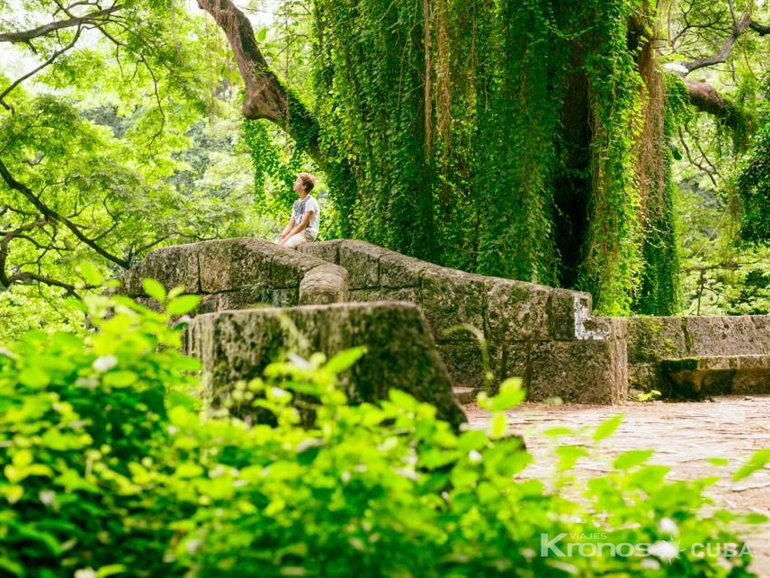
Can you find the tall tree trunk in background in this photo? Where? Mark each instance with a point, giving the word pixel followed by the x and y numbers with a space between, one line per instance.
pixel 659 292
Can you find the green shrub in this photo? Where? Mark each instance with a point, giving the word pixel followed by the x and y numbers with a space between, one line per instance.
pixel 111 467
pixel 78 417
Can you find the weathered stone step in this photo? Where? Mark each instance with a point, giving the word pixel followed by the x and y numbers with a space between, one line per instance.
pixel 718 374
pixel 464 395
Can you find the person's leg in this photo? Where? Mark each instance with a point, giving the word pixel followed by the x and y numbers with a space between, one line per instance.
pixel 296 240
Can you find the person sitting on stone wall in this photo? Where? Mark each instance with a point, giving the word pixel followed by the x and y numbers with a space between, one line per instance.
pixel 305 215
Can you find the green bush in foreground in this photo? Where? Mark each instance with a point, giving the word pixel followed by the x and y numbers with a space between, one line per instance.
pixel 111 468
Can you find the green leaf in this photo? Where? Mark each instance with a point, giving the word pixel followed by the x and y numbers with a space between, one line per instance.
pixel 569 455
pixel 558 431
pixel 755 518
pixel 110 570
pixel 633 458
pixel 34 378
pixel 758 461
pixel 189 470
pixel 506 400
pixel 91 274
pixel 608 427
pixel 720 462
pixel 499 426
pixel 261 35
pixel 22 458
pixel 121 378
pixel 154 290
pixel 175 292
pixel 403 400
pixel 345 359
pixel 182 304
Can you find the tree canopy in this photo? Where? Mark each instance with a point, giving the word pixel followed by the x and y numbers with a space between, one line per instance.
pixel 548 141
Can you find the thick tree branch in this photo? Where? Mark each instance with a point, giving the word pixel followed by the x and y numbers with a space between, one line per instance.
pixel 27 277
pixel 739 28
pixel 759 28
pixel 266 97
pixel 27 35
pixel 706 99
pixel 9 236
pixel 53 57
pixel 52 215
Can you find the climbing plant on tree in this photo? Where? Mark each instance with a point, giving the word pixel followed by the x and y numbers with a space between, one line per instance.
pixel 443 114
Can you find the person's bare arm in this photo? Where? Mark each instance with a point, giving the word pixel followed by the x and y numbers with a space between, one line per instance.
pixel 302 224
pixel 286 231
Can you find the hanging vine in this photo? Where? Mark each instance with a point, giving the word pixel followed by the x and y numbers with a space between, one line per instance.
pixel 515 140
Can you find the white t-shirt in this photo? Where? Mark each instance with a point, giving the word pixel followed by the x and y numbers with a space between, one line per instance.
pixel 301 207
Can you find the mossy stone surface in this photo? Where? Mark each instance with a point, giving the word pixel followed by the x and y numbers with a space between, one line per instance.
pixel 237 345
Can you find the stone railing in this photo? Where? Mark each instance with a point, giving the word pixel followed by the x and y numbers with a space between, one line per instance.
pixel 653 339
pixel 241 274
pixel 544 335
pixel 400 352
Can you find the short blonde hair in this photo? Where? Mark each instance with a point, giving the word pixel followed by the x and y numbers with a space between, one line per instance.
pixel 308 181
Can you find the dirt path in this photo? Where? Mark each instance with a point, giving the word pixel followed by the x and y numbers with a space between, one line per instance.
pixel 683 435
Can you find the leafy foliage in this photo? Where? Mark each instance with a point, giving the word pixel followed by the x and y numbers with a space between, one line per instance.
pixel 113 151
pixel 466 135
pixel 111 469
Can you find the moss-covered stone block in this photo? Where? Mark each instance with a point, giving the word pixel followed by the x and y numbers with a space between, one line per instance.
pixel 237 345
pixel 284 297
pixel 567 312
pixel 400 271
pixel 737 335
pixel 651 339
pixel 208 304
pixel 409 294
pixel 516 311
pixel 580 371
pixel 465 363
pixel 288 267
pixel 449 298
pixel 362 261
pixel 325 250
pixel 516 360
pixel 700 376
pixel 251 297
pixel 233 264
pixel 172 267
pixel 324 284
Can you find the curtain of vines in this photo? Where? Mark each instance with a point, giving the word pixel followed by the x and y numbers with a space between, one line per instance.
pixel 374 74
pixel 508 138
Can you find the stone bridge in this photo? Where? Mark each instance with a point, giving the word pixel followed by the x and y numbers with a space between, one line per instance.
pixel 549 337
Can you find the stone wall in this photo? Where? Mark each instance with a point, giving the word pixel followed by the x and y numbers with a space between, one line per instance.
pixel 241 274
pixel 651 339
pixel 544 335
pixel 238 345
pixel 547 336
